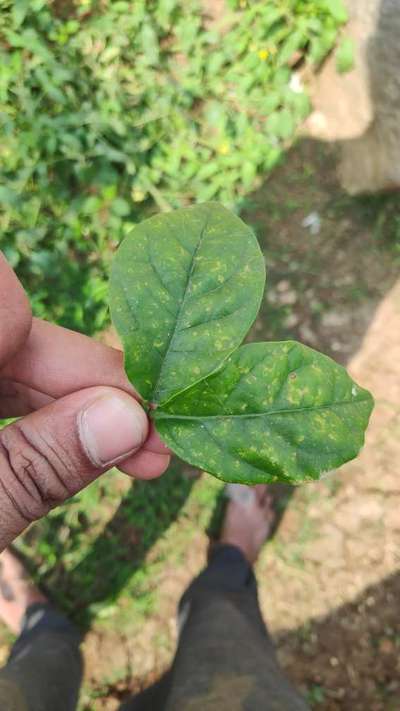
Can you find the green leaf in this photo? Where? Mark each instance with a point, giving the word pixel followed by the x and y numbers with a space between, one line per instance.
pixel 320 46
pixel 185 288
pixel 337 10
pixel 20 11
pixel 295 41
pixel 275 411
pixel 120 207
pixel 345 55
pixel 286 125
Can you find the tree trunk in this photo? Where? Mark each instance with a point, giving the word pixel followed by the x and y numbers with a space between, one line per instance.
pixel 361 109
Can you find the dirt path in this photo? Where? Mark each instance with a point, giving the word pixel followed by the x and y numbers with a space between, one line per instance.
pixel 329 584
pixel 339 602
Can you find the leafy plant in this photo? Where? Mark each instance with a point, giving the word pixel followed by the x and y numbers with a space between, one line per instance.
pixel 185 288
pixel 109 108
pixel 345 55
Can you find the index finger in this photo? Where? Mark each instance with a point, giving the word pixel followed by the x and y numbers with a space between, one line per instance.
pixel 57 362
pixel 15 312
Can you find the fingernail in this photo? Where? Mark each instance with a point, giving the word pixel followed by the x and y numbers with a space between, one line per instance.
pixel 112 428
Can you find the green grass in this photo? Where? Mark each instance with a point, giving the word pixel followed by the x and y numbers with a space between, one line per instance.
pixel 96 546
pixel 111 110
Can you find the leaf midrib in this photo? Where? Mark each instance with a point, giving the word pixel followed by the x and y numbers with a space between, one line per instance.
pixel 156 391
pixel 170 416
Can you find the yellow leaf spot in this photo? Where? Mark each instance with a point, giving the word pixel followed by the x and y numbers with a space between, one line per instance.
pixel 224 148
pixel 137 195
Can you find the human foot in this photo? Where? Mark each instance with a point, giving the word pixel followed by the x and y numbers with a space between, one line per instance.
pixel 249 519
pixel 17 591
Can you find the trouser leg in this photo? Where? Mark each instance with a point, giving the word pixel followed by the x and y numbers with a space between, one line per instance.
pixel 225 659
pixel 44 669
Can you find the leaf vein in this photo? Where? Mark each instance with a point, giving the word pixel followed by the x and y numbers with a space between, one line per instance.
pixel 251 415
pixel 217 318
pixel 156 271
pixel 181 308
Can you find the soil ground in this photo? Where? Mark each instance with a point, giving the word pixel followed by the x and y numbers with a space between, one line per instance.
pixel 329 582
pixel 330 585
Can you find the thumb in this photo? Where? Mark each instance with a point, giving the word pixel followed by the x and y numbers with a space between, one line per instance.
pixel 49 455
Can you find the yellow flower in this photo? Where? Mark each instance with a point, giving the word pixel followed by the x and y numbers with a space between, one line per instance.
pixel 224 148
pixel 137 195
pixel 263 54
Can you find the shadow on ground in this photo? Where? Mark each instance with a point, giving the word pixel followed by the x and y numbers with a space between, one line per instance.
pixel 120 550
pixel 330 258
pixel 331 658
pixel 143 515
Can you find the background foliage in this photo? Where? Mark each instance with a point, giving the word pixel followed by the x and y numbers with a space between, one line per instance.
pixel 109 108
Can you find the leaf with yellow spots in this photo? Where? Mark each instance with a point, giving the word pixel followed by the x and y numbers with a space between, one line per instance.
pixel 185 288
pixel 275 411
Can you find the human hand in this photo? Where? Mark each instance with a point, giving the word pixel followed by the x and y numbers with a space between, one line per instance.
pixel 79 414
